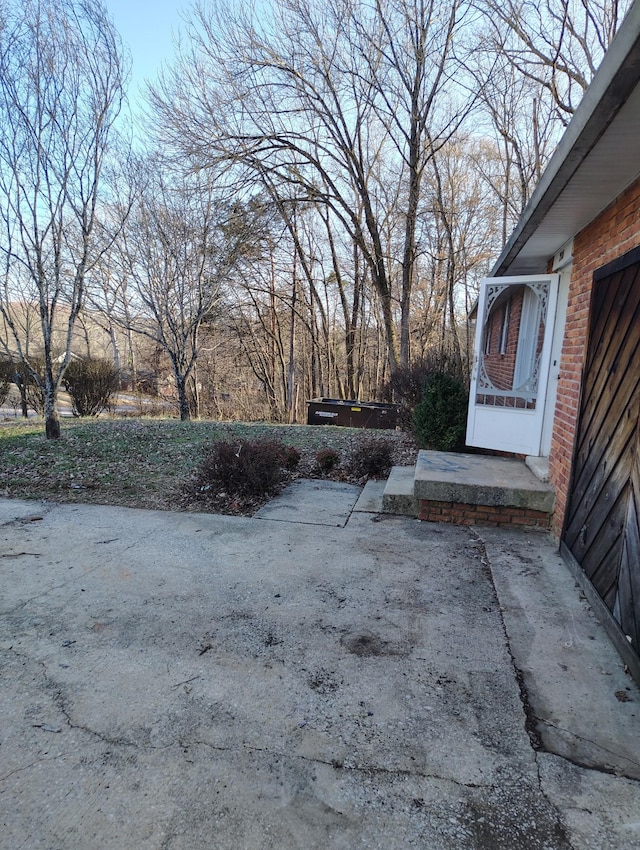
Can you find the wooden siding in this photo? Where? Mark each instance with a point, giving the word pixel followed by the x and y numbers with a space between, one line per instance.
pixel 627 610
pixel 602 527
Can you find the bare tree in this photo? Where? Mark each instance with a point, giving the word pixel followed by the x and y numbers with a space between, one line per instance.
pixel 332 101
pixel 461 235
pixel 110 292
pixel 521 133
pixel 61 78
pixel 558 44
pixel 177 256
pixel 410 50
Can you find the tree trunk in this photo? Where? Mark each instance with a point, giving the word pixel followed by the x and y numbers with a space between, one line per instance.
pixel 51 421
pixel 292 362
pixel 22 389
pixel 389 332
pixel 183 400
pixel 114 344
pixel 409 251
pixel 185 413
pixel 195 392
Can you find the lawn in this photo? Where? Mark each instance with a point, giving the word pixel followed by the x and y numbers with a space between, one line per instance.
pixel 148 463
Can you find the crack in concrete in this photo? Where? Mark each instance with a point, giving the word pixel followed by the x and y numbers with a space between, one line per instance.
pixel 29 766
pixel 530 718
pixel 60 702
pixel 532 721
pixel 20 554
pixel 21 521
pixel 530 725
pixel 337 764
pixel 135 542
pixel 28 658
pixel 609 771
pixel 552 806
pixel 21 769
pixel 101 736
pixel 74 578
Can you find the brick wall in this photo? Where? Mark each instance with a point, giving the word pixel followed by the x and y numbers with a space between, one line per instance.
pixel 500 366
pixel 613 233
pixel 492 516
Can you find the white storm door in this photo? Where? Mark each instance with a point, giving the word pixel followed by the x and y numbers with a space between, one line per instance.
pixel 514 334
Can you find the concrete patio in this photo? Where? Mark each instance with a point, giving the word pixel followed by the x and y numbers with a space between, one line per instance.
pixel 195 681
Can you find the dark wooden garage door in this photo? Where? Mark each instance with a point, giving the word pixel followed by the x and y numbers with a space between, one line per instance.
pixel 602 531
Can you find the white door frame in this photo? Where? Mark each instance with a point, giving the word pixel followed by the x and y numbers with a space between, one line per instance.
pixel 495 421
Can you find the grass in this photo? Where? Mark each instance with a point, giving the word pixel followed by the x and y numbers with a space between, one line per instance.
pixel 148 463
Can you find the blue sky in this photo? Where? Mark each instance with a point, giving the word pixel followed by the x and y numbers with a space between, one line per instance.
pixel 147 28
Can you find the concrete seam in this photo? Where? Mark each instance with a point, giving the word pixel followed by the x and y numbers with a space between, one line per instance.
pixel 531 719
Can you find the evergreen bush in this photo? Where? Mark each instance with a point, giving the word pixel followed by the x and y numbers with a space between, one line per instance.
pixel 440 418
pixel 406 386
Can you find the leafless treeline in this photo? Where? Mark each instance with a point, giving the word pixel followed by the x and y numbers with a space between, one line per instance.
pixel 325 183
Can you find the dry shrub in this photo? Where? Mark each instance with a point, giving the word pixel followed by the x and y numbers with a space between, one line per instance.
pixel 91 384
pixel 327 460
pixel 372 458
pixel 290 458
pixel 248 469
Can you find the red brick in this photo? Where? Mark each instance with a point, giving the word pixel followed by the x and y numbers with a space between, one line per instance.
pixel 615 231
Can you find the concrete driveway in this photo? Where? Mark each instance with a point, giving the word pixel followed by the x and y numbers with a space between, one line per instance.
pixel 193 681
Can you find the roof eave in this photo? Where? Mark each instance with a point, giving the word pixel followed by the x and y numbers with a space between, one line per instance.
pixel 615 80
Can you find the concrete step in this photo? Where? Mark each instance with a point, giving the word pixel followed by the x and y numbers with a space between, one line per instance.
pixel 473 489
pixel 539 466
pixel 399 496
pixel 370 500
pixel 477 479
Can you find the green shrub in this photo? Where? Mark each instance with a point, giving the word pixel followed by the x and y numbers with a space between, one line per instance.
pixel 372 458
pixel 249 469
pixel 405 389
pixel 439 420
pixel 327 460
pixel 406 385
pixel 91 384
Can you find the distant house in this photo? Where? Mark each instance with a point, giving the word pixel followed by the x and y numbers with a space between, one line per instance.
pixel 557 358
